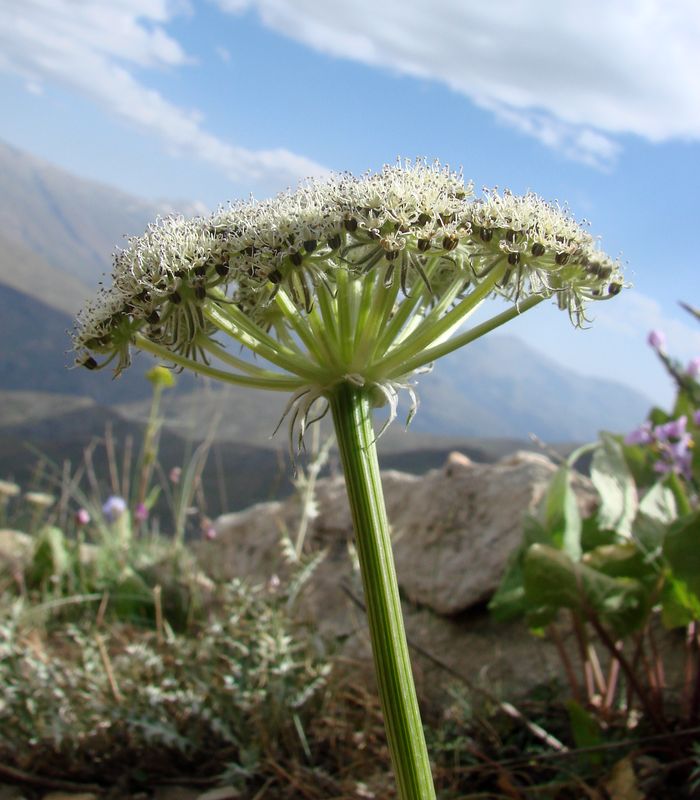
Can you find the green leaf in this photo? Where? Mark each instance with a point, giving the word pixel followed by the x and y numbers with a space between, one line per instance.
pixel 560 514
pixel 50 558
pixel 622 560
pixel 552 579
pixel 585 729
pixel 152 497
pixel 679 606
pixel 508 601
pixel 615 485
pixel 659 503
pixel 657 416
pixel 682 550
pixel 592 535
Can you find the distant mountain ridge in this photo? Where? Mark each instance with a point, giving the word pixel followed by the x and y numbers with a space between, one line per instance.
pixel 57 234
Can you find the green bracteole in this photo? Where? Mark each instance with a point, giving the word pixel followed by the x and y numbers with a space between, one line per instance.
pixel 343 291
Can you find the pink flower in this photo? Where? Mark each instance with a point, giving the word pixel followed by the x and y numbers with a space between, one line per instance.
pixel 210 533
pixel 657 340
pixel 82 517
pixel 693 368
pixel 140 513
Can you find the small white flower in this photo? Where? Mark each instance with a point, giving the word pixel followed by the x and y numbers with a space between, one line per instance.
pixel 352 276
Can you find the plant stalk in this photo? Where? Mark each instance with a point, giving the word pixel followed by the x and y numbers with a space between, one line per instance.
pixel 352 415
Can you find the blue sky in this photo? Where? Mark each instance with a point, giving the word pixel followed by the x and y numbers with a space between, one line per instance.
pixel 210 100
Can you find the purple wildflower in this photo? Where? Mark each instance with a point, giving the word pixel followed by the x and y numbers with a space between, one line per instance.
pixel 114 508
pixel 140 513
pixel 641 435
pixel 675 429
pixel 696 417
pixel 657 340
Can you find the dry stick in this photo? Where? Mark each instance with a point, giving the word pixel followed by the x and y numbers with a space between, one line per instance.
pixel 531 758
pixel 606 639
pixel 507 708
pixel 582 641
pixel 688 667
pixel 597 671
pixel 695 702
pixel 566 661
pixel 90 468
pixel 99 619
pixel 107 664
pixel 111 458
pixel 613 675
pixel 157 602
pixel 20 776
pixel 126 466
pixel 658 667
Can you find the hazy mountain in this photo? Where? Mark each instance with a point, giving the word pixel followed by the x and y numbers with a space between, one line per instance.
pixel 72 224
pixel 35 355
pixel 27 272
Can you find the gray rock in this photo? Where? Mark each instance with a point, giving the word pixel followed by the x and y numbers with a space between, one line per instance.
pixel 452 529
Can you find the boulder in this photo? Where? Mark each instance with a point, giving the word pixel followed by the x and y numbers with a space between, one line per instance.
pixel 452 529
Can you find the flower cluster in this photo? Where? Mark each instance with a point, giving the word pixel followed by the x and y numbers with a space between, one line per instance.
pixel 671 442
pixel 339 277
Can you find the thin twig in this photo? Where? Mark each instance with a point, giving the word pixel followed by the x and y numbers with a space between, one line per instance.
pixel 104 655
pixel 574 685
pixel 21 776
pixel 616 652
pixel 158 603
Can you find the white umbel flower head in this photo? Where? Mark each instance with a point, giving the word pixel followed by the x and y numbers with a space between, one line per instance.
pixel 361 279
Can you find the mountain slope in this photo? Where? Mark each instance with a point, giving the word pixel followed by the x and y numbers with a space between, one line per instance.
pixel 25 271
pixel 499 386
pixel 34 355
pixel 72 224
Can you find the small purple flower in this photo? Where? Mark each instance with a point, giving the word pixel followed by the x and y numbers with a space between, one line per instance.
pixel 675 429
pixel 640 435
pixel 82 517
pixel 693 368
pixel 696 417
pixel 657 340
pixel 140 513
pixel 114 508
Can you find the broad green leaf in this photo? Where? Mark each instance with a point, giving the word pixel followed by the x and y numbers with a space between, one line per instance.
pixel 552 579
pixel 622 560
pixel 657 416
pixel 562 520
pixel 659 503
pixel 508 602
pixel 613 480
pixel 657 511
pixel 593 536
pixel 679 606
pixel 51 557
pixel 585 729
pixel 682 550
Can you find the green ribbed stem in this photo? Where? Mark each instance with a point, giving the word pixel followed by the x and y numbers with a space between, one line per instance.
pixel 352 415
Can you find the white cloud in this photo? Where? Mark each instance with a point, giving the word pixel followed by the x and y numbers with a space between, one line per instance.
pixel 572 75
pixel 94 47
